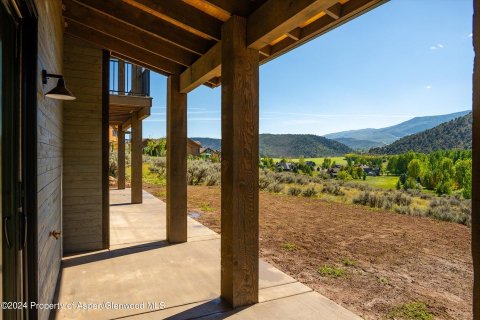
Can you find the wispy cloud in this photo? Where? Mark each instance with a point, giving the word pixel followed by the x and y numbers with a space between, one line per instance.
pixel 437 47
pixel 470 35
pixel 428 87
pixel 319 115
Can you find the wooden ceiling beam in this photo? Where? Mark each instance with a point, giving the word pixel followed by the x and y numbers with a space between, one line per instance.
pixel 205 68
pixel 129 51
pixel 151 24
pixel 182 15
pixel 240 8
pixel 127 124
pixel 298 11
pixel 276 18
pixel 125 32
pixel 349 10
pixel 335 11
pixel 138 63
pixel 295 34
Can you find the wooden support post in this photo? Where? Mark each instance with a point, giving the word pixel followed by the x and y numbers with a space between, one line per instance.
pixel 136 159
pixel 105 149
pixel 121 76
pixel 121 157
pixel 476 163
pixel 133 79
pixel 176 161
pixel 240 102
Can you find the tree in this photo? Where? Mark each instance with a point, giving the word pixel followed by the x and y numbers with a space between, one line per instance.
pixel 327 163
pixel 463 176
pixel 301 161
pixel 463 169
pixel 414 169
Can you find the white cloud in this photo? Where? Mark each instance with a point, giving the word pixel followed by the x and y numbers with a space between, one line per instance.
pixel 428 87
pixel 470 35
pixel 437 47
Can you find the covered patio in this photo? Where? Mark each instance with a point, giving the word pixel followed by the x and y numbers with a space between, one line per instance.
pixel 69 238
pixel 142 267
pixel 210 43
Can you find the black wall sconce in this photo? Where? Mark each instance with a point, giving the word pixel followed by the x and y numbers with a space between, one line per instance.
pixel 60 92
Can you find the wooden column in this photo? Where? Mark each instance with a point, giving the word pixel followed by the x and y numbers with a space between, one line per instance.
pixel 121 157
pixel 476 163
pixel 136 159
pixel 121 76
pixel 176 161
pixel 105 149
pixel 239 249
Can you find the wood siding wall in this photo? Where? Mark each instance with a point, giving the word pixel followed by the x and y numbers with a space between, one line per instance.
pixel 49 149
pixel 82 164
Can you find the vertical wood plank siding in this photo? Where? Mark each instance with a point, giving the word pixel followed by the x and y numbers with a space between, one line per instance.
pixel 49 151
pixel 83 158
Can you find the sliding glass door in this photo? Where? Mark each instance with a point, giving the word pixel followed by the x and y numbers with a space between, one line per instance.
pixel 13 235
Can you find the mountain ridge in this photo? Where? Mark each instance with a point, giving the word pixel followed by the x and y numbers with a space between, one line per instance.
pixel 289 145
pixel 454 134
pixel 357 139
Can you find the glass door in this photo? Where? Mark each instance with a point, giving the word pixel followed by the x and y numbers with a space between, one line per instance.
pixel 10 167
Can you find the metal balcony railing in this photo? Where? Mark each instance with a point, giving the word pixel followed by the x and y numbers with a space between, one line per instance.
pixel 129 79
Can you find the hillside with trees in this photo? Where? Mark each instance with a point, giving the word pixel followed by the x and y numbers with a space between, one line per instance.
pixel 357 139
pixel 290 146
pixel 296 145
pixel 454 134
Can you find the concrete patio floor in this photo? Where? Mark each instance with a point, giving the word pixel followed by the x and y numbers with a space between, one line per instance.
pixel 141 267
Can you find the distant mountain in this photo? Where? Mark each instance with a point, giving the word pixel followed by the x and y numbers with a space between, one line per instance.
pixel 454 134
pixel 290 145
pixel 357 144
pixel 296 145
pixel 358 139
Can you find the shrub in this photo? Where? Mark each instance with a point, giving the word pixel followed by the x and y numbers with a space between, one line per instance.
pixel 213 179
pixel 113 165
pixel 331 271
pixel 343 175
pixel 294 191
pixel 373 200
pixel 411 311
pixel 203 172
pixel 289 246
pixel 264 181
pixel 276 187
pixel 333 189
pixel 348 263
pixel 309 192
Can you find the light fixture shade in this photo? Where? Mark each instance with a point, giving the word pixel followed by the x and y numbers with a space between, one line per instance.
pixel 60 92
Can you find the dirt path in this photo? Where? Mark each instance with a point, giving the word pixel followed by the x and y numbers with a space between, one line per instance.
pixel 397 259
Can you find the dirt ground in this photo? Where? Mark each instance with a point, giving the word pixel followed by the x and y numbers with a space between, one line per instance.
pixel 396 259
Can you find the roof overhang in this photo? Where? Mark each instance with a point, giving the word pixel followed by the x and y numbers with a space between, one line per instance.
pixel 184 37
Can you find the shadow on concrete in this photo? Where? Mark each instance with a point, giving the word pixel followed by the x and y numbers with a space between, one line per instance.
pixel 120 204
pixel 215 309
pixel 104 255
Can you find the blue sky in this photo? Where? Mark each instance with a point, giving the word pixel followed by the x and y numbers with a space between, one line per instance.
pixel 404 59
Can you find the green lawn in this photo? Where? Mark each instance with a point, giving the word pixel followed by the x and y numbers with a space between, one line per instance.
pixel 384 182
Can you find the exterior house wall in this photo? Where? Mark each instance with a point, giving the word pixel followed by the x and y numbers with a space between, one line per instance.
pixel 49 151
pixel 193 148
pixel 82 164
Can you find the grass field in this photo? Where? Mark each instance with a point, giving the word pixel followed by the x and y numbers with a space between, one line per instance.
pixel 384 182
